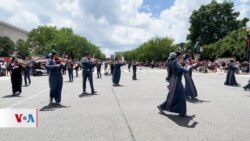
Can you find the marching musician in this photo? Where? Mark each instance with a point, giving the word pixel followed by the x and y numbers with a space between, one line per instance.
pixel 70 66
pixel 55 66
pixel 87 73
pixel 16 76
pixel 117 72
pixel 26 70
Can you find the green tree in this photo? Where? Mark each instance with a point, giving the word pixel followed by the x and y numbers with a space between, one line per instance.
pixel 22 49
pixel 43 39
pixel 154 49
pixel 7 46
pixel 212 22
pixel 233 45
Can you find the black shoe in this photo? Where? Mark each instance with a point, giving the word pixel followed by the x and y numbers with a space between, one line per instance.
pixel 160 109
pixel 187 116
pixel 50 100
pixel 194 99
pixel 245 88
pixel 93 93
pixel 84 93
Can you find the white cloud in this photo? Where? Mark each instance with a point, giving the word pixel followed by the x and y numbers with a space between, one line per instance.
pixel 115 25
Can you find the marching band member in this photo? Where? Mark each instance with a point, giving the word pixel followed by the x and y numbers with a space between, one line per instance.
pixel 176 101
pixel 230 78
pixel 55 66
pixel 190 89
pixel 16 76
pixel 26 70
pixel 87 73
pixel 117 72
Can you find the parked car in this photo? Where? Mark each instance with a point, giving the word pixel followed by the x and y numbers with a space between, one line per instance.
pixel 38 68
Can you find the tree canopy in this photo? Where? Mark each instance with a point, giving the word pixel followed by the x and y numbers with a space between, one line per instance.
pixel 156 49
pixel 22 49
pixel 7 46
pixel 213 22
pixel 233 45
pixel 45 38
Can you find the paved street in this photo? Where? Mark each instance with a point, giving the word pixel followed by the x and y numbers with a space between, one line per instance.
pixel 129 112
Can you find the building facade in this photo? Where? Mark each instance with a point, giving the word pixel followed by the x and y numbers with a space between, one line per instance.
pixel 13 32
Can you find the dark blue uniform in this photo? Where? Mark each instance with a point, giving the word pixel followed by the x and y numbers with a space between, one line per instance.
pixel 70 71
pixel 176 100
pixel 26 73
pixel 134 67
pixel 190 89
pixel 230 79
pixel 98 68
pixel 117 73
pixel 87 68
pixel 55 80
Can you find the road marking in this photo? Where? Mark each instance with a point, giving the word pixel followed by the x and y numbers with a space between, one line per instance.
pixel 124 116
pixel 28 98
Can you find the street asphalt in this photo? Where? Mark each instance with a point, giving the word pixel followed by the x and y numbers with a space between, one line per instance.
pixel 129 112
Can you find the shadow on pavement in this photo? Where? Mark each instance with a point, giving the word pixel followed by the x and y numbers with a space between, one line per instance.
pixel 52 107
pixel 196 101
pixel 87 95
pixel 119 86
pixel 182 121
pixel 11 96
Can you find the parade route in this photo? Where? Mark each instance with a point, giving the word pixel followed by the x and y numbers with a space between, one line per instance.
pixel 129 112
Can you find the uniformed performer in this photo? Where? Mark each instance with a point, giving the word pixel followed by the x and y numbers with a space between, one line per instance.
pixel 190 89
pixel 117 72
pixel 134 67
pixel 98 68
pixel 16 76
pixel 230 78
pixel 129 65
pixel 26 70
pixel 87 73
pixel 55 66
pixel 111 68
pixel 70 66
pixel 247 87
pixel 176 101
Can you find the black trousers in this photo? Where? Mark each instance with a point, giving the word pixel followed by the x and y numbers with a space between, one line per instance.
pixel 88 75
pixel 99 75
pixel 134 75
pixel 26 76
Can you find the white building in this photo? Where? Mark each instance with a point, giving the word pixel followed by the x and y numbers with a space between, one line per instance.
pixel 13 32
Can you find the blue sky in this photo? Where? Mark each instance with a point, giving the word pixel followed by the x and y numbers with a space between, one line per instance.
pixel 114 25
pixel 155 6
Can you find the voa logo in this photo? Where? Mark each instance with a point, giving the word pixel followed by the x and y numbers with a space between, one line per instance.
pixel 24 118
